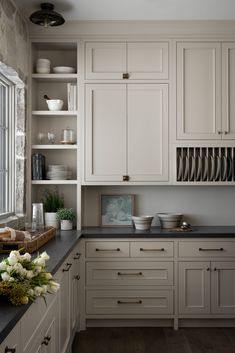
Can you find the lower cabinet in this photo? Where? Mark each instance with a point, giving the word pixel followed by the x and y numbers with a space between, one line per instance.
pixel 207 287
pixel 12 343
pixel 137 281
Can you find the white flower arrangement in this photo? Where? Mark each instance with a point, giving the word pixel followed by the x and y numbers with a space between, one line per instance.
pixel 23 278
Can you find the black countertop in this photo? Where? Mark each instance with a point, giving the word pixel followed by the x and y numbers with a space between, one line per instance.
pixel 157 232
pixel 59 247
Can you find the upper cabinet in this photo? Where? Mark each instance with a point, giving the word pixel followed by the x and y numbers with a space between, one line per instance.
pixel 126 129
pixel 127 60
pixel 205 110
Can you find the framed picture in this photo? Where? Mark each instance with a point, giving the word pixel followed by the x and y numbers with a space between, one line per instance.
pixel 116 210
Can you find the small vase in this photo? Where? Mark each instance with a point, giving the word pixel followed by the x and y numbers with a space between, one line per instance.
pixel 66 224
pixel 51 220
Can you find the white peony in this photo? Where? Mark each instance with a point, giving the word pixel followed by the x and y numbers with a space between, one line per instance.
pixel 48 275
pixel 9 269
pixel 5 276
pixel 37 269
pixel 54 286
pixel 45 256
pixel 40 262
pixel 38 291
pixel 44 289
pixel 3 266
pixel 12 259
pixel 29 274
pixel 26 257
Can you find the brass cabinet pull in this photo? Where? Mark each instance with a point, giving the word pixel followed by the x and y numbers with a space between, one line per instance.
pixel 225 132
pixel 215 269
pixel 219 132
pixel 125 75
pixel 10 350
pixel 219 249
pixel 97 249
pixel 129 302
pixel 160 249
pixel 130 274
pixel 77 277
pixel 125 178
pixel 208 269
pixel 77 256
pixel 67 268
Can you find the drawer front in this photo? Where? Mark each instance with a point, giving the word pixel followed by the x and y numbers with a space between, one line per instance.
pixel 206 249
pixel 152 249
pixel 129 273
pixel 129 302
pixel 107 249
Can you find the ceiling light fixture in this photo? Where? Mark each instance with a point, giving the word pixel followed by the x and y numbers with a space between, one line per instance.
pixel 47 17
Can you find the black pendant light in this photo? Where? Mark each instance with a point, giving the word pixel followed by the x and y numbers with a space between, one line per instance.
pixel 47 17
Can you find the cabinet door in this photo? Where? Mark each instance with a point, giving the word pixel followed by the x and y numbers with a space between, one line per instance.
pixel 105 60
pixel 75 290
pixel 147 60
pixel 228 90
pixel 223 288
pixel 64 306
pixel 147 114
pixel 194 287
pixel 12 341
pixel 198 90
pixel 105 132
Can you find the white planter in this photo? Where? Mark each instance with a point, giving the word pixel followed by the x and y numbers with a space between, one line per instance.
pixel 51 220
pixel 66 225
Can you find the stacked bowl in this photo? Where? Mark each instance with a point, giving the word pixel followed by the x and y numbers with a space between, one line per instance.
pixel 43 66
pixel 58 172
pixel 142 222
pixel 170 220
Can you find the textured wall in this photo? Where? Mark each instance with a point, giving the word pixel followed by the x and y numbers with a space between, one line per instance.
pixel 14 52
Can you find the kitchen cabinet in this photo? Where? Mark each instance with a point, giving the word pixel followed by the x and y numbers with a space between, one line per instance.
pixel 12 343
pixel 126 133
pixel 206 286
pixel 75 289
pixel 198 90
pixel 43 121
pixel 127 60
pixel 120 284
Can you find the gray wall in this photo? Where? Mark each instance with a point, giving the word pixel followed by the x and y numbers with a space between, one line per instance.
pixel 201 205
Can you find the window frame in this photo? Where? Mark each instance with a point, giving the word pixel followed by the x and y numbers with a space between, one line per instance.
pixel 10 125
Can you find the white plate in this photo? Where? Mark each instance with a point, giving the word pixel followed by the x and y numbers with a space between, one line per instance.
pixel 212 168
pixel 180 168
pixel 225 168
pixel 192 171
pixel 205 168
pixel 199 168
pixel 63 70
pixel 186 168
pixel 230 167
pixel 218 169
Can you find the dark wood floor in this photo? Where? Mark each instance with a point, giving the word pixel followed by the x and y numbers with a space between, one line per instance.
pixel 155 340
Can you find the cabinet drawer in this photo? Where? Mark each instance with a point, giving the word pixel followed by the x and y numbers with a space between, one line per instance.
pixel 129 302
pixel 129 273
pixel 207 249
pixel 107 249
pixel 152 249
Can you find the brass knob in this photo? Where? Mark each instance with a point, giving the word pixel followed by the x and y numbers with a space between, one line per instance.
pixel 125 75
pixel 225 132
pixel 125 178
pixel 219 132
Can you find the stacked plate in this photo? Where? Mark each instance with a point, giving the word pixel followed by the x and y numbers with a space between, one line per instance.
pixel 63 70
pixel 58 172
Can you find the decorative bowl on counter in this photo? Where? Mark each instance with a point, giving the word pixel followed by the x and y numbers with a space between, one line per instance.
pixel 170 220
pixel 54 104
pixel 142 222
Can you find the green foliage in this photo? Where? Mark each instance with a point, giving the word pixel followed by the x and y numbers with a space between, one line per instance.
pixel 65 214
pixel 52 200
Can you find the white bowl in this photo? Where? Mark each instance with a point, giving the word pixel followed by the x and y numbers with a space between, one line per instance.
pixel 142 222
pixel 57 167
pixel 43 70
pixel 170 220
pixel 63 70
pixel 54 104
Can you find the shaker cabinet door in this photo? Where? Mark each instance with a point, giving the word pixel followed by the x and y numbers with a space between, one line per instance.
pixel 147 114
pixel 105 147
pixel 198 90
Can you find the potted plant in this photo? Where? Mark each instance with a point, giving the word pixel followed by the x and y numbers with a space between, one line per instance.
pixel 66 217
pixel 52 201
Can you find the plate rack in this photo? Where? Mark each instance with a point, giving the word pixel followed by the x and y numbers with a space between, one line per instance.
pixel 205 164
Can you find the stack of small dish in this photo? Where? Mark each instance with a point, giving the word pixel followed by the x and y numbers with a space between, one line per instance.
pixel 58 172
pixel 63 70
pixel 43 66
pixel 142 222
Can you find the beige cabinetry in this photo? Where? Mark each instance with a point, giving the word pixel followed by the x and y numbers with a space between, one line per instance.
pixel 57 150
pixel 205 87
pixel 120 285
pixel 12 343
pixel 206 283
pixel 126 132
pixel 127 60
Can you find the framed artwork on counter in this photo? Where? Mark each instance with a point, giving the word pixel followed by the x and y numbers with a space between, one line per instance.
pixel 116 210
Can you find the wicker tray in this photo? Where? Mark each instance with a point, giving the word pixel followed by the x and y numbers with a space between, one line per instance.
pixel 39 239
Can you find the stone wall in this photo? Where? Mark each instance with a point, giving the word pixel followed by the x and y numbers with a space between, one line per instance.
pixel 14 52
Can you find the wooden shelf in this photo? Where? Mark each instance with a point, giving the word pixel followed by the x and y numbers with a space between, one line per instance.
pixel 54 112
pixel 55 77
pixel 55 147
pixel 54 182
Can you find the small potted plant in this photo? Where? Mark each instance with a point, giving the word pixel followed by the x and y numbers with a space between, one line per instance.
pixel 66 217
pixel 52 201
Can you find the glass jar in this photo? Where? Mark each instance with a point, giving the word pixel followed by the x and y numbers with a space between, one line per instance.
pixel 68 136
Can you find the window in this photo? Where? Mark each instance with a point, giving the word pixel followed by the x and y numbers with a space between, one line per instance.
pixel 7 147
